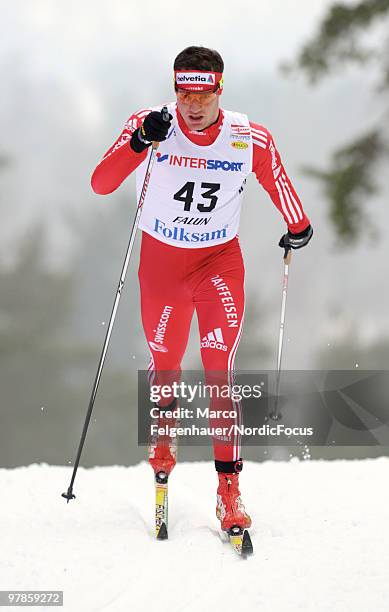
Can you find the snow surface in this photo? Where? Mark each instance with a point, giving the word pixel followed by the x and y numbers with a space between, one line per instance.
pixel 319 532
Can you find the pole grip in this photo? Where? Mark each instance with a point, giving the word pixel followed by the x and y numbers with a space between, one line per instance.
pixel 287 255
pixel 165 117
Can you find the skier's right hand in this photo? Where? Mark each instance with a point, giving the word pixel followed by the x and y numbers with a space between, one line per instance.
pixel 154 128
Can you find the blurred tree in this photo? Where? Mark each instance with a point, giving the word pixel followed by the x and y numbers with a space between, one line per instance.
pixel 4 161
pixel 46 374
pixel 341 39
pixel 349 352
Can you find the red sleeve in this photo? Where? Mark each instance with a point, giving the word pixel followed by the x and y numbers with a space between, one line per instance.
pixel 120 160
pixel 270 172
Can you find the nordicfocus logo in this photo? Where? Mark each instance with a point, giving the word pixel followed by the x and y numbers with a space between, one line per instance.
pixel 160 330
pixel 199 162
pixel 180 234
pixel 194 77
pixel 214 340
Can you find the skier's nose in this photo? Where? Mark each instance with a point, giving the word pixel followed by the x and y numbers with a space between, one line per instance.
pixel 195 107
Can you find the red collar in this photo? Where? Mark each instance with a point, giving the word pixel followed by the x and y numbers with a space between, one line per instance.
pixel 207 136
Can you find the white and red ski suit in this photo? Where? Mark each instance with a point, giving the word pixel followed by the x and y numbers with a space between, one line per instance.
pixel 197 184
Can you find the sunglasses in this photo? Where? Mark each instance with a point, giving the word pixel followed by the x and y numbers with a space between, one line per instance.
pixel 202 98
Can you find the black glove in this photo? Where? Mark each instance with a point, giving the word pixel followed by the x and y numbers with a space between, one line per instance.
pixel 154 128
pixel 296 241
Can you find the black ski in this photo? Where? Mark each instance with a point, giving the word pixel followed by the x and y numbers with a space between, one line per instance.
pixel 240 541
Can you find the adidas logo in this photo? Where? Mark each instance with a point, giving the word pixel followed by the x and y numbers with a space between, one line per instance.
pixel 214 339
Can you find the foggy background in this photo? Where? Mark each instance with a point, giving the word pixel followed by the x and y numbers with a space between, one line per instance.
pixel 71 75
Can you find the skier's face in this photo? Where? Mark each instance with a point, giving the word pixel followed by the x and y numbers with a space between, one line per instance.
pixel 198 110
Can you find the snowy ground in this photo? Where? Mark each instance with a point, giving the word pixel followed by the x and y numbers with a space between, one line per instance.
pixel 319 535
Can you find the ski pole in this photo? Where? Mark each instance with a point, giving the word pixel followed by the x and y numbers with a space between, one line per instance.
pixel 69 494
pixel 275 415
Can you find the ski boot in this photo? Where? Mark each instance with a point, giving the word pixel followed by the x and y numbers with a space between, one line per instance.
pixel 230 509
pixel 232 515
pixel 162 449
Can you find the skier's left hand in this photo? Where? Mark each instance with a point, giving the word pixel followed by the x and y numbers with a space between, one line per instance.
pixel 296 241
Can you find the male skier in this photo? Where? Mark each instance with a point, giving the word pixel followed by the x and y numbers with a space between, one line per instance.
pixel 190 254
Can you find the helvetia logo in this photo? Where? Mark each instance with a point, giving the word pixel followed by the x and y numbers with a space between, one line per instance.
pixel 198 162
pixel 194 77
pixel 214 340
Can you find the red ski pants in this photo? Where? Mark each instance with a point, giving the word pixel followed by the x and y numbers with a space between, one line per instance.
pixel 176 281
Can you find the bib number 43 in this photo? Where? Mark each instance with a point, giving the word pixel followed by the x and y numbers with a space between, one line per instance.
pixel 185 194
